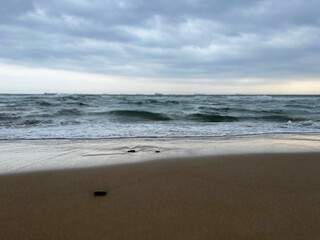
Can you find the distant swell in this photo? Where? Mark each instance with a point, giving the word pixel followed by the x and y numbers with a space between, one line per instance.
pixel 142 115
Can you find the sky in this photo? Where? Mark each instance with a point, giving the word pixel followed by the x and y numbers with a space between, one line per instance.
pixel 143 46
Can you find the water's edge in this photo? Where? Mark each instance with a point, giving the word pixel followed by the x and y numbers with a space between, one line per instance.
pixel 34 155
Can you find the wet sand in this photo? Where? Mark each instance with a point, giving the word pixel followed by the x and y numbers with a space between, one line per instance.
pixel 34 155
pixel 248 196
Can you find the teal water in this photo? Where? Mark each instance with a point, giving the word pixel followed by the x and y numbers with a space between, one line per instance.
pixel 122 116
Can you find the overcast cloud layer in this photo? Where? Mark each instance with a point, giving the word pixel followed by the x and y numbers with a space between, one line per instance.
pixel 186 39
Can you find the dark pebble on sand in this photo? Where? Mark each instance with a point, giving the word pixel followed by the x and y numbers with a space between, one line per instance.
pixel 132 151
pixel 100 193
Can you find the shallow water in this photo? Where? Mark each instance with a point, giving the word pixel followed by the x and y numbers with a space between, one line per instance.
pixel 33 155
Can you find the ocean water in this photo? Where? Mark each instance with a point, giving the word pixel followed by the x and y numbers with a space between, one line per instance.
pixel 124 116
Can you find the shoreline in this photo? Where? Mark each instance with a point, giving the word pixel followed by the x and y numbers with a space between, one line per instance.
pixel 239 196
pixel 192 137
pixel 37 155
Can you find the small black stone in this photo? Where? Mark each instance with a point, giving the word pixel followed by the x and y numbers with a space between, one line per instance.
pixel 132 151
pixel 100 193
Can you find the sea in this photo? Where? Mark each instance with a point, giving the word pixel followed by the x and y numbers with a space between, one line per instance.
pixel 74 116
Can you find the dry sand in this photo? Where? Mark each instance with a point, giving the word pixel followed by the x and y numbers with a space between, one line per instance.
pixel 256 196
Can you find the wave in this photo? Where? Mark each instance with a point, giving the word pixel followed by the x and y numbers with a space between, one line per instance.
pixel 211 117
pixel 69 112
pixel 24 123
pixel 280 118
pixel 223 118
pixel 72 122
pixel 45 104
pixel 48 104
pixel 71 97
pixel 142 115
pixel 65 112
pixel 5 117
pixel 132 115
pixel 222 109
pixel 31 122
pixel 150 101
pixel 63 97
pixel 250 97
pixel 78 103
pixel 273 118
pixel 297 106
pixel 34 122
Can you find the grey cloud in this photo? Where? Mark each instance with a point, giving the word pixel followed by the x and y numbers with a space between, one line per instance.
pixel 170 39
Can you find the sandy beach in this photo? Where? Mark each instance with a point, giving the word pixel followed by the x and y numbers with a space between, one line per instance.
pixel 246 196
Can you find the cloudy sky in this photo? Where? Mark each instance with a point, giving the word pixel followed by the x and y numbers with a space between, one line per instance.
pixel 143 46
